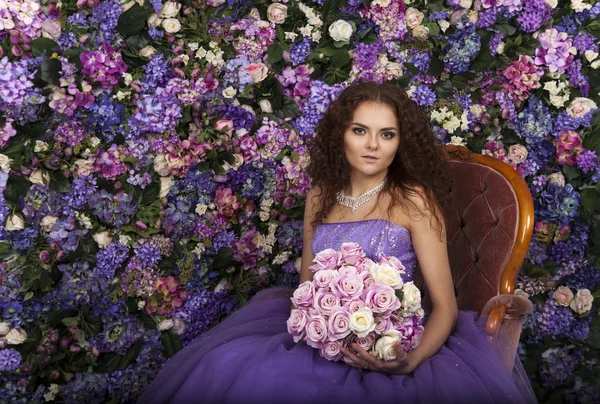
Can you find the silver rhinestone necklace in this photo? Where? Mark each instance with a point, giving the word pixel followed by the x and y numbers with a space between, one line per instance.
pixel 354 203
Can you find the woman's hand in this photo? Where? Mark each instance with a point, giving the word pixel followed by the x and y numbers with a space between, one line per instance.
pixel 363 359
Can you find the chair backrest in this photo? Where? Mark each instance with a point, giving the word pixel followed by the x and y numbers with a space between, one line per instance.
pixel 489 226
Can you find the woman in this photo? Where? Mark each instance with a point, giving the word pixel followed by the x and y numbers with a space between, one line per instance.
pixel 372 141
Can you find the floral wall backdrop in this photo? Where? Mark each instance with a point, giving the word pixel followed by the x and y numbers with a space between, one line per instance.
pixel 152 166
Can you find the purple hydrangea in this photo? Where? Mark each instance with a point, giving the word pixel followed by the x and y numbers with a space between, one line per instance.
pixel 106 14
pixel 424 96
pixel 110 259
pixel 10 360
pixel 558 203
pixel 115 210
pixel 534 14
pixel 461 48
pixel 300 51
pixel 157 112
pixel 104 66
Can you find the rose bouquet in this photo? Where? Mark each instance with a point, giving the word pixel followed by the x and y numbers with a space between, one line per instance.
pixel 353 299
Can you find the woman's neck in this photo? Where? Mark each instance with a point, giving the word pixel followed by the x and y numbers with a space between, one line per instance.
pixel 359 186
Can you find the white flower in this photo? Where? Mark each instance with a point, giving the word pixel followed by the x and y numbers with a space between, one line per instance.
pixel 84 220
pixel 282 258
pixel 386 275
pixel 265 106
pixel 582 302
pixel 590 55
pixel 14 222
pixel 161 165
pixel 579 5
pixel 580 106
pixel 264 216
pixel 306 30
pixel 82 167
pixel 103 238
pixel 124 239
pixel 362 322
pixel 201 209
pixel 154 20
pixel 4 328
pixel 127 78
pixel 47 223
pixel 50 29
pixel 39 177
pixel 559 101
pixel 421 32
pixel 171 25
pixel 201 53
pixel 316 36
pixel 40 146
pixel 466 3
pixel 551 87
pixel 290 35
pixel 5 163
pixel 277 13
pixel 165 325
pixel 141 304
pixel 16 336
pixel 165 186
pixel 384 347
pixel 121 95
pixel 185 59
pixel 193 45
pixel 500 48
pixel 380 3
pixel 552 3
pixel 147 51
pixel 170 9
pixel 413 17
pixel 393 70
pixel 595 64
pixel 340 31
pixel 457 141
pixel 558 177
pixel 411 301
pixel 229 92
pixel 200 247
pixel 444 25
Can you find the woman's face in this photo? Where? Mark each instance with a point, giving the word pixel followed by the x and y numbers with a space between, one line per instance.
pixel 372 139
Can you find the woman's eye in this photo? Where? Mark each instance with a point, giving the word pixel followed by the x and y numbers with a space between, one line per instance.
pixel 388 135
pixel 358 130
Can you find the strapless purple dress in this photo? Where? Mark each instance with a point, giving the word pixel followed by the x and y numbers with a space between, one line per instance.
pixel 250 357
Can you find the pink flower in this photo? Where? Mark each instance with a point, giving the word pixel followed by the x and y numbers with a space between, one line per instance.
pixel 303 295
pixel 347 287
pixel 331 350
pixel 225 124
pixel 328 259
pixel 383 324
pixel 382 299
pixel 325 302
pixel 258 72
pixel 296 324
pixel 354 305
pixel 323 278
pixel 582 303
pixel 226 202
pixel 563 296
pixel 522 76
pixel 338 324
pixel 392 261
pixel 316 331
pixel 365 343
pixel 351 253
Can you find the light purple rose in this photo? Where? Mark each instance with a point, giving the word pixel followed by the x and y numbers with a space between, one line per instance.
pixel 303 296
pixel 382 299
pixel 383 324
pixel 323 279
pixel 325 302
pixel 296 324
pixel 351 253
pixel 331 351
pixel 316 331
pixel 347 287
pixel 348 269
pixel 411 330
pixel 328 259
pixel 364 265
pixel 392 261
pixel 338 324
pixel 354 305
pixel 365 342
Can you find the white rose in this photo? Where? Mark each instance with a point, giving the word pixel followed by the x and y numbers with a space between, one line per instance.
pixel 147 51
pixel 550 86
pixel 457 141
pixel 393 70
pixel 165 325
pixel 165 186
pixel 580 106
pixel 563 296
pixel 171 25
pixel 178 326
pixel 420 32
pixel 193 45
pixel 558 101
pixel 362 322
pixel 5 163
pixel 290 35
pixel 590 55
pixel 559 178
pixel 170 9
pixel 500 48
pixel 582 302
pixel 384 347
pixel 4 328
pixel 411 301
pixel 47 223
pixel 82 167
pixel 154 20
pixel 201 209
pixel 466 3
pixel 16 336
pixel 340 31
pixel 595 64
pixel 579 5
pixel 39 177
pixel 518 153
pixel 277 13
pixel 51 29
pixel 265 106
pixel 15 222
pixel 413 17
pixel 103 238
pixel 386 275
pixel 552 3
pixel 40 146
pixel 161 165
pixel 229 92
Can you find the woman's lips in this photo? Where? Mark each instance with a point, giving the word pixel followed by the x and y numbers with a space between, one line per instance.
pixel 370 159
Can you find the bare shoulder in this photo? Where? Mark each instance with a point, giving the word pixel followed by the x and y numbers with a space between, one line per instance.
pixel 415 211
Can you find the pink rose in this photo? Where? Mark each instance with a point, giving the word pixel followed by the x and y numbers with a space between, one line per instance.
pixel 351 253
pixel 582 302
pixel 296 324
pixel 383 324
pixel 563 296
pixel 338 324
pixel 347 286
pixel 327 259
pixel 365 342
pixel 364 265
pixel 325 302
pixel 348 269
pixel 316 331
pixel 322 279
pixel 392 261
pixel 382 299
pixel 331 351
pixel 303 295
pixel 225 124
pixel 354 305
pixel 258 72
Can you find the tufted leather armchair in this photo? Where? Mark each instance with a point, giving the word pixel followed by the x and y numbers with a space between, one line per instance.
pixel 489 227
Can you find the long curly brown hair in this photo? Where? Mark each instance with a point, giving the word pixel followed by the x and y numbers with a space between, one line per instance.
pixel 418 164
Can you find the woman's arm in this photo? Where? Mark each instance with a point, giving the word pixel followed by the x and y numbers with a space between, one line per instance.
pixel 432 254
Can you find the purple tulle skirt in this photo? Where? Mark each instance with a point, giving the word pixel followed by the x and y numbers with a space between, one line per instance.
pixel 250 358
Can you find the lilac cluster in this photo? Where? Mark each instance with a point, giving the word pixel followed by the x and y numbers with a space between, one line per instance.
pixel 588 277
pixel 584 41
pixel 148 254
pixel 104 66
pixel 119 334
pixel 110 259
pixel 222 239
pixel 241 118
pixel 557 203
pixel 157 112
pixel 106 14
pixel 18 95
pixel 85 387
pixel 365 55
pixel 557 366
pixel 10 360
pixel 534 122
pixel 573 248
pixel 82 189
pixel 577 78
pixel 179 220
pixel 66 234
pixel 461 48
pixel 115 210
pixel 534 14
pixel 104 117
pixel 495 41
pixel 424 96
pixel 289 233
pixel 300 51
pixel 487 18
pixel 201 309
pixel 587 161
pixel 559 322
pixel 567 24
pixel 78 286
pixel 156 73
pixel 564 121
pixel 70 132
pixel 23 240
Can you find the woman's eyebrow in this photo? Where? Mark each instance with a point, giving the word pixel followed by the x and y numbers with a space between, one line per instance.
pixel 366 127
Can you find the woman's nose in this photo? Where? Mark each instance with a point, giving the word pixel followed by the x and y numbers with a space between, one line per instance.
pixel 372 142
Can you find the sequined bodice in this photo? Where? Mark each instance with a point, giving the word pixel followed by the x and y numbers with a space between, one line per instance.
pixel 375 236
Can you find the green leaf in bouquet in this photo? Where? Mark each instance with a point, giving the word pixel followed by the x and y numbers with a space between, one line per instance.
pixel 400 294
pixel 133 20
pixel 71 321
pixel 275 53
pixel 41 44
pixel 444 89
pixel 72 54
pixel 111 362
pixel 91 324
pixel 571 173
pixel 59 183
pixel 436 66
pixel 509 136
pixel 49 71
pixel 55 318
pixel 289 108
pixel 171 342
pixel 370 38
pixel 15 187
pixel 340 58
pixel 147 320
pixel 224 258
pixel 150 194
